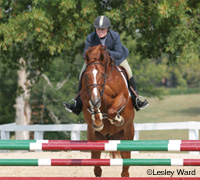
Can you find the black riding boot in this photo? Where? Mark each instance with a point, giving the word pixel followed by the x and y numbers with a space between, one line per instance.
pixel 76 106
pixel 137 103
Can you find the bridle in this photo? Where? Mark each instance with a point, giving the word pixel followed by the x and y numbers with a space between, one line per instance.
pixel 105 75
pixel 96 85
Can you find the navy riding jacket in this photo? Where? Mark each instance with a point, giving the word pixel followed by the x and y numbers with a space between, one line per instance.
pixel 117 50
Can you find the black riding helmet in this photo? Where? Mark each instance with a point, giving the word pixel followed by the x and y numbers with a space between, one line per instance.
pixel 102 22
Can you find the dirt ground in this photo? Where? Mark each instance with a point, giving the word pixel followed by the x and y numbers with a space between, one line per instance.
pixel 107 171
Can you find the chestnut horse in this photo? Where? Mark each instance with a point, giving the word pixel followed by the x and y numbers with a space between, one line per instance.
pixel 107 105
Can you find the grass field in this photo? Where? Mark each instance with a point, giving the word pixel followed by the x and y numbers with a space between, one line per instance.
pixel 173 108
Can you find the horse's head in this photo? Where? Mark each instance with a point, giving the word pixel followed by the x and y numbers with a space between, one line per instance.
pixel 97 53
pixel 96 59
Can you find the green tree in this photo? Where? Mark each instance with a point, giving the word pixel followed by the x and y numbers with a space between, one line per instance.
pixel 55 86
pixel 148 73
pixel 39 30
pixel 169 26
pixel 184 75
pixel 49 36
pixel 8 87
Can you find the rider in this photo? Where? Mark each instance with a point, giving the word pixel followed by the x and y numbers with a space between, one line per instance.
pixel 111 39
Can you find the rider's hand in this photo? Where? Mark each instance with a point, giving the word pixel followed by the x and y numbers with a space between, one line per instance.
pixel 108 51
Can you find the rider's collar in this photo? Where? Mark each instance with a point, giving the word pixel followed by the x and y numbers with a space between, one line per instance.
pixel 103 37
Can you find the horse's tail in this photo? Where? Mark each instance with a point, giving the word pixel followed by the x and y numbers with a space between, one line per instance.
pixel 115 155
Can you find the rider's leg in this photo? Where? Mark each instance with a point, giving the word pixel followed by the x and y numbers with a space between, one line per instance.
pixel 76 105
pixel 138 104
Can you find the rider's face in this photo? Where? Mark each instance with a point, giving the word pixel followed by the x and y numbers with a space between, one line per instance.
pixel 101 32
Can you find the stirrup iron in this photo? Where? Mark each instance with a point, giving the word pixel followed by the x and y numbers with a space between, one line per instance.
pixel 72 100
pixel 144 100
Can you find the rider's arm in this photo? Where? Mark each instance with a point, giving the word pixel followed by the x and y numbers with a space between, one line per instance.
pixel 117 51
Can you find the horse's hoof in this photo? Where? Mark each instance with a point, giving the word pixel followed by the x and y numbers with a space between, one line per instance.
pixel 97 171
pixel 97 128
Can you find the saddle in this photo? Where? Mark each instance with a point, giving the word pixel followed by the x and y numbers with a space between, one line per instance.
pixel 125 74
pixel 123 70
pixel 132 91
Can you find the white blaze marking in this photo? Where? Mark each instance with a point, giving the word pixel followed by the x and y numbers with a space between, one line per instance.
pixel 94 72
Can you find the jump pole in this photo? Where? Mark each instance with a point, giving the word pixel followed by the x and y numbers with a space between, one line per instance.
pixel 111 146
pixel 99 162
pixel 102 141
pixel 98 178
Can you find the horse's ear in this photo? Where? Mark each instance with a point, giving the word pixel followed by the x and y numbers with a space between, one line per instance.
pixel 101 56
pixel 86 57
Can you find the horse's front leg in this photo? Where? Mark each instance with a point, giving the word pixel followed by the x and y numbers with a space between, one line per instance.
pixel 125 155
pixel 128 135
pixel 97 169
pixel 113 115
pixel 97 118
